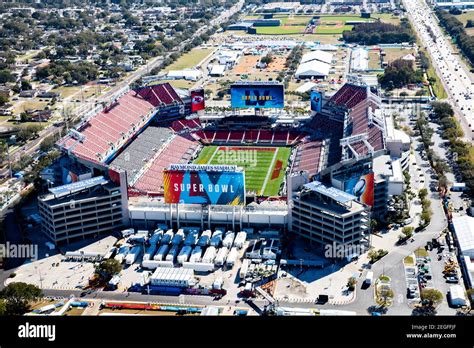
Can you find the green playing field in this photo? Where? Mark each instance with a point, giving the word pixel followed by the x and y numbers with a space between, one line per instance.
pixel 264 166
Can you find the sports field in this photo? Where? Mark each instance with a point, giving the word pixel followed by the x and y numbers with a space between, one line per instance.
pixel 264 166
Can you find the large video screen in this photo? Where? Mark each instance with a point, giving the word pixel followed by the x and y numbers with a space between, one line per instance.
pixel 362 187
pixel 204 187
pixel 316 101
pixel 255 95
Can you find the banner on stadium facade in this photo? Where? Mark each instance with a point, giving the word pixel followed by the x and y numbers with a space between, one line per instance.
pixel 197 100
pixel 361 186
pixel 204 187
pixel 316 101
pixel 257 95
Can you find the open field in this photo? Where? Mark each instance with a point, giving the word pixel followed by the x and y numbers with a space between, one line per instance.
pixel 465 17
pixel 386 18
pixel 281 30
pixel 374 60
pixel 264 166
pixel 293 20
pixel 176 83
pixel 392 54
pixel 332 29
pixel 247 64
pixel 29 104
pixel 337 19
pixel 190 59
pixel 66 92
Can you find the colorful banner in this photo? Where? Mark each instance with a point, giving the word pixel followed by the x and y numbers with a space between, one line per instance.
pixel 257 96
pixel 316 101
pixel 197 100
pixel 203 187
pixel 69 176
pixel 362 187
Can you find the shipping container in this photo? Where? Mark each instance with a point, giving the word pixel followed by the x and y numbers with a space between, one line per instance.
pixel 191 238
pixel 209 255
pixel 199 266
pixel 167 237
pixel 196 254
pixel 133 254
pixel 244 268
pixel 161 254
pixel 232 257
pixel 184 254
pixel 228 239
pixel 152 264
pixel 216 238
pixel 204 238
pixel 172 253
pixel 240 239
pixel 122 253
pixel 221 256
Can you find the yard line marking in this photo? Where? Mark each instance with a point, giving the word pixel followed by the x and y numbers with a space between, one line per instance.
pixel 269 171
pixel 212 157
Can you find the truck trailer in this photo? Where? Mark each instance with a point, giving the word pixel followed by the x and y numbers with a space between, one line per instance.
pixel 228 239
pixel 161 254
pixel 221 256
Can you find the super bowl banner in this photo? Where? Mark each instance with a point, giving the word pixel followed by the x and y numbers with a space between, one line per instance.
pixel 316 101
pixel 203 187
pixel 254 95
pixel 197 100
pixel 362 187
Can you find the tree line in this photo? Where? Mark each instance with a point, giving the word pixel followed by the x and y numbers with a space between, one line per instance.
pixel 379 33
pixel 456 29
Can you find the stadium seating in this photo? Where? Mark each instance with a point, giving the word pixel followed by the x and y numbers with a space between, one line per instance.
pixel 349 95
pixel 159 95
pixel 141 150
pixel 107 131
pixel 179 150
pixel 185 125
pixel 280 137
pixel 308 157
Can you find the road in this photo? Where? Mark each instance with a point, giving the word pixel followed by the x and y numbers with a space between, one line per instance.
pixel 456 80
pixel 86 107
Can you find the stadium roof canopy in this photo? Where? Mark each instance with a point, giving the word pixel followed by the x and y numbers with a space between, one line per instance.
pixel 331 192
pixel 68 189
pixel 464 229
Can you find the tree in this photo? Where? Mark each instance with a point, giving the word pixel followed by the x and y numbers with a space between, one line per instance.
pixel 3 100
pixel 422 194
pixel 3 307
pixel 351 283
pixel 17 297
pixel 108 268
pixel 408 231
pixel 431 297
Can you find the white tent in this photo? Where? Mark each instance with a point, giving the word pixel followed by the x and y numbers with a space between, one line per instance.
pixel 360 59
pixel 312 69
pixel 456 293
pixel 317 55
pixel 464 229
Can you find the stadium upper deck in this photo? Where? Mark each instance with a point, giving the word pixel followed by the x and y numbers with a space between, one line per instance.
pixel 100 137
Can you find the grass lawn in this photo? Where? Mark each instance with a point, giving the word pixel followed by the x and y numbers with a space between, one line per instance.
pixel 342 19
pixel 438 88
pixel 190 59
pixel 386 18
pixel 260 164
pixel 374 60
pixel 465 16
pixel 29 105
pixel 175 83
pixel 392 54
pixel 66 91
pixel 322 38
pixel 294 20
pixel 332 29
pixel 281 30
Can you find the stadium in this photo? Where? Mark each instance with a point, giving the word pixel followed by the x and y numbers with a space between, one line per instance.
pixel 151 140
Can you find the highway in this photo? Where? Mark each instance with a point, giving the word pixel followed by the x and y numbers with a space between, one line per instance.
pixel 454 76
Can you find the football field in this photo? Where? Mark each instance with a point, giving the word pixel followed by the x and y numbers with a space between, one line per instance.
pixel 264 166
